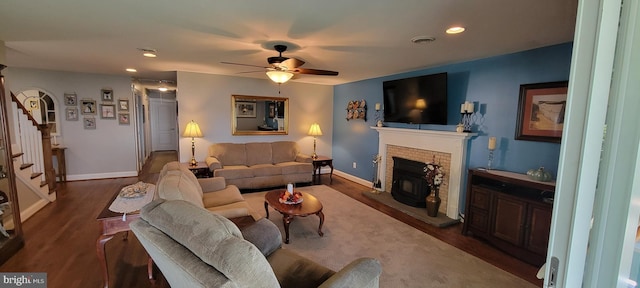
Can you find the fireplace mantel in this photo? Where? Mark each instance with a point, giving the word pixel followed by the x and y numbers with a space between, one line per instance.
pixel 453 143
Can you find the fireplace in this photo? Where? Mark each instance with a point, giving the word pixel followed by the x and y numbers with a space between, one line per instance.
pixel 408 185
pixel 449 149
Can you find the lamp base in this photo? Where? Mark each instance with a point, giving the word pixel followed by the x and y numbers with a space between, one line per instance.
pixel 193 162
pixel 314 156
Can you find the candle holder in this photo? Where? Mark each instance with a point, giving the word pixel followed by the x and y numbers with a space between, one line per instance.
pixel 466 121
pixel 490 162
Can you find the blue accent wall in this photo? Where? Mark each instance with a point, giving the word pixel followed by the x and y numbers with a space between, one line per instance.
pixel 493 84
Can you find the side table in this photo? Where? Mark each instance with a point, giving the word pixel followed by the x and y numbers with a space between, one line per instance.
pixel 201 170
pixel 320 162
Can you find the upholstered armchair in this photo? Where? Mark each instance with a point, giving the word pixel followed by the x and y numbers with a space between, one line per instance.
pixel 194 248
pixel 177 182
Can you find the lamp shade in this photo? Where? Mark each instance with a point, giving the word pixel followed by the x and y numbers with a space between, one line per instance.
pixel 315 130
pixel 279 76
pixel 192 130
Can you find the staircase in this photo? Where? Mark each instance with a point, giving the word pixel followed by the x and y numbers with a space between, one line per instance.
pixel 32 159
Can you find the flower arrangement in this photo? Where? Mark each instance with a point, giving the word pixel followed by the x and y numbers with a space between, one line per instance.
pixel 434 175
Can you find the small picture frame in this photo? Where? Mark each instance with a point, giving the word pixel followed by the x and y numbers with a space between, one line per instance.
pixel 246 109
pixel 107 111
pixel 32 104
pixel 541 111
pixel 70 99
pixel 123 105
pixel 107 95
pixel 123 118
pixel 89 122
pixel 88 107
pixel 71 114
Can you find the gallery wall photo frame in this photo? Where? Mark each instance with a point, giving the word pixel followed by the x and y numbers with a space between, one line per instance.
pixel 89 123
pixel 107 111
pixel 123 119
pixel 123 105
pixel 70 99
pixel 246 109
pixel 541 111
pixel 88 107
pixel 107 95
pixel 71 113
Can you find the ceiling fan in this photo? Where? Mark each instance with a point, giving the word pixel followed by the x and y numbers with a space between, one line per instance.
pixel 281 68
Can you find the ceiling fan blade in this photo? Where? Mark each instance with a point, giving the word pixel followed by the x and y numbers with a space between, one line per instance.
pixel 315 72
pixel 292 63
pixel 240 64
pixel 245 72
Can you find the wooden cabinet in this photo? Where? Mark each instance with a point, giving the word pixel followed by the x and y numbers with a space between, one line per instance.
pixel 511 212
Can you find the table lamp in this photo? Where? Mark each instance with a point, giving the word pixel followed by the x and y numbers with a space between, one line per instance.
pixel 192 130
pixel 315 131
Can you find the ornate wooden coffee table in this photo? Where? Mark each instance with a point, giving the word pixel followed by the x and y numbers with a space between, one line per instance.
pixel 310 205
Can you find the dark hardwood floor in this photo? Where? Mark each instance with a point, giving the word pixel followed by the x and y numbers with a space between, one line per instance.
pixel 61 238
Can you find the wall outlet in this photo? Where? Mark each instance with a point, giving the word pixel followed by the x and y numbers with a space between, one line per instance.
pixel 354 165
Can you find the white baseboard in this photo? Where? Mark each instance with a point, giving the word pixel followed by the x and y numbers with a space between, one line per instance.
pixel 27 213
pixel 102 175
pixel 353 178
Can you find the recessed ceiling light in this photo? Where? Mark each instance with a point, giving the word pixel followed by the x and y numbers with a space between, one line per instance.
pixel 147 52
pixel 132 70
pixel 422 39
pixel 455 30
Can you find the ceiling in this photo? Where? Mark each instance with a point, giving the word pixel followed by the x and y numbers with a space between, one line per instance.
pixel 361 39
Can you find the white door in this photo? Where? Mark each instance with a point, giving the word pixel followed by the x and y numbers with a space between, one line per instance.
pixel 596 207
pixel 164 132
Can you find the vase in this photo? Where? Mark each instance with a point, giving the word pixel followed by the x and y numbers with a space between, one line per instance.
pixel 433 202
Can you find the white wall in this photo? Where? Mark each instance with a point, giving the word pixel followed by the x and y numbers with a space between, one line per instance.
pixel 109 150
pixel 207 100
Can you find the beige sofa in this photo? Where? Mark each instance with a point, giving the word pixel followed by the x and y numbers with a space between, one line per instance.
pixel 260 164
pixel 194 248
pixel 177 182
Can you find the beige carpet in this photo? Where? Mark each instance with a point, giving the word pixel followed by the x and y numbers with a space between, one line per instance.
pixel 410 258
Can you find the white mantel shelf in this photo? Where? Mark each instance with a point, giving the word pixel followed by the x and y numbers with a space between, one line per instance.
pixel 453 143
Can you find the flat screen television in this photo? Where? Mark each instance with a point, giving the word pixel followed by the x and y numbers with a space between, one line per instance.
pixel 416 100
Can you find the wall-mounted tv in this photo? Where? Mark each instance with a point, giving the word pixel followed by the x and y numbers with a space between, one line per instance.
pixel 416 100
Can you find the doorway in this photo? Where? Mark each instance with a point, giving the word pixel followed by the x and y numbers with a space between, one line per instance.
pixel 163 119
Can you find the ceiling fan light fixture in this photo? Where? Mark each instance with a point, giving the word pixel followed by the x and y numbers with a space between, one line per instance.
pixel 279 76
pixel 147 52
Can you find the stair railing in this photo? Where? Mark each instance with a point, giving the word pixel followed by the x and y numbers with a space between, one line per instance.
pixel 35 142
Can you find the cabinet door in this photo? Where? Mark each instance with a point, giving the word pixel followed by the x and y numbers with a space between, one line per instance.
pixel 479 209
pixel 538 228
pixel 509 219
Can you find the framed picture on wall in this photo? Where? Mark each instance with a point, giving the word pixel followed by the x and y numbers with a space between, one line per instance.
pixel 107 111
pixel 541 111
pixel 88 107
pixel 71 114
pixel 89 122
pixel 123 119
pixel 107 95
pixel 246 109
pixel 70 99
pixel 123 105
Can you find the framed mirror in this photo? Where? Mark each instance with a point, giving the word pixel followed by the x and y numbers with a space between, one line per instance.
pixel 259 115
